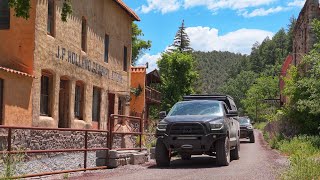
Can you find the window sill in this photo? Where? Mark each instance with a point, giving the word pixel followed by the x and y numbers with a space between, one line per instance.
pixel 45 118
pixel 50 35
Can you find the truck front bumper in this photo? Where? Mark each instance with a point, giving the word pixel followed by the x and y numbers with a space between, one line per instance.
pixel 195 144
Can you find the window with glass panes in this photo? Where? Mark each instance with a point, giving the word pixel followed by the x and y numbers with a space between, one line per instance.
pixel 45 95
pixel 50 22
pixel 4 14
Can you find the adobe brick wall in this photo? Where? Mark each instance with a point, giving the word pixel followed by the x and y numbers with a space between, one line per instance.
pixel 103 17
pixel 304 38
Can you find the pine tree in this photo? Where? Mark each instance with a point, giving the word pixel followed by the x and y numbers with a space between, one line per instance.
pixel 181 41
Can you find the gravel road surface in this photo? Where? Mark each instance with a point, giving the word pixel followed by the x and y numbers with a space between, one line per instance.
pixel 257 161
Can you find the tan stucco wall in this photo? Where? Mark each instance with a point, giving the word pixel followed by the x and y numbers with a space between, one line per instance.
pixel 17 104
pixel 17 43
pixel 137 104
pixel 103 17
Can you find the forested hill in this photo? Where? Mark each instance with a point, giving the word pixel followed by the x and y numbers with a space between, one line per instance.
pixel 215 68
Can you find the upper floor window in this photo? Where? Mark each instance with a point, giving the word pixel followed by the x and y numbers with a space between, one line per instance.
pixel 46 79
pixel 4 14
pixel 84 34
pixel 125 59
pixel 78 103
pixel 50 22
pixel 106 48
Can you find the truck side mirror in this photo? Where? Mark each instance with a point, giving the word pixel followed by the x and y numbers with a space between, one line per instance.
pixel 232 113
pixel 162 114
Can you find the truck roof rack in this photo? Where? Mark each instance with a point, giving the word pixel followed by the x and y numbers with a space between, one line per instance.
pixel 218 97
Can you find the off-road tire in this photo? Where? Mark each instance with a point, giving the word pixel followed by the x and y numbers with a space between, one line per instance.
pixel 235 153
pixel 162 154
pixel 251 137
pixel 185 156
pixel 223 151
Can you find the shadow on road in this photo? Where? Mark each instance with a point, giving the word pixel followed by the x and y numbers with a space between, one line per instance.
pixel 194 163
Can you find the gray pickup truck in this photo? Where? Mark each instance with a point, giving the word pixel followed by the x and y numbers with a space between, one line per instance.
pixel 201 124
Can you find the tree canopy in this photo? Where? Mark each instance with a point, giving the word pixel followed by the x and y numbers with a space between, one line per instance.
pixel 178 76
pixel 22 8
pixel 138 45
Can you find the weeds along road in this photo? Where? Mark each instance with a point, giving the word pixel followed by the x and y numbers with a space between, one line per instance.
pixel 257 161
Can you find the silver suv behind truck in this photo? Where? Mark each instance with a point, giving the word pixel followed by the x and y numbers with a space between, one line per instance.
pixel 196 127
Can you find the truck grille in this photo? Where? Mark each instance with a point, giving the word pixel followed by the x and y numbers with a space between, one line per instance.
pixel 187 129
pixel 243 128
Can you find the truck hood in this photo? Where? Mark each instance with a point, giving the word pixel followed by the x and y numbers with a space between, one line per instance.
pixel 188 118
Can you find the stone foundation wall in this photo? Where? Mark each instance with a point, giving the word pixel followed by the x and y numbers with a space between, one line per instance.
pixel 50 140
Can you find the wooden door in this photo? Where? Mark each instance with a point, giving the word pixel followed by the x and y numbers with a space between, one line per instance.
pixel 64 104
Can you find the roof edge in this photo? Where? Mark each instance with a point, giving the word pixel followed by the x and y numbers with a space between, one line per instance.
pixel 128 10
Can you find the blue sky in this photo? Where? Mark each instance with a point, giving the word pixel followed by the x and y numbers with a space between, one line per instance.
pixel 223 25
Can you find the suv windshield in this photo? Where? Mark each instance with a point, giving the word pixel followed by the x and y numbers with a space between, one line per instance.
pixel 212 108
pixel 244 121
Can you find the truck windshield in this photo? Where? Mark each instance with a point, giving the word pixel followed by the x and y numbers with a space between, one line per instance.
pixel 244 121
pixel 211 108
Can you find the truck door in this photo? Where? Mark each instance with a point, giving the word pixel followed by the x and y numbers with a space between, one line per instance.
pixel 232 128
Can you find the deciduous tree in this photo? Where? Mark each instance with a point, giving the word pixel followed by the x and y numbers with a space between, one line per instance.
pixel 178 76
pixel 138 45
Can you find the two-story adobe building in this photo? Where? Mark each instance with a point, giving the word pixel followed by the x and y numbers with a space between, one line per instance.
pixel 70 74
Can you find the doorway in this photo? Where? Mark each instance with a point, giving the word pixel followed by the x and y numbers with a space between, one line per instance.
pixel 64 104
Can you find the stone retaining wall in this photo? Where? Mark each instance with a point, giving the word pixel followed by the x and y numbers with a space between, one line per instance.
pixel 50 140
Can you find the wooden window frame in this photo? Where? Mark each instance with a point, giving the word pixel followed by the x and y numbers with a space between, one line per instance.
pixel 4 15
pixel 51 18
pixel 106 48
pixel 125 58
pixel 96 90
pixel 47 95
pixel 84 34
pixel 79 101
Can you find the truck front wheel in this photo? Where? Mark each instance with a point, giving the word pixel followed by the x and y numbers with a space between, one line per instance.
pixel 251 137
pixel 223 151
pixel 162 154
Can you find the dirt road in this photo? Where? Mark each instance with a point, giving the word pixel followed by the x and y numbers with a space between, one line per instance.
pixel 257 161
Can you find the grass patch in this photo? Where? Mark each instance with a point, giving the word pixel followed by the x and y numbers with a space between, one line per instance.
pixel 304 156
pixel 260 125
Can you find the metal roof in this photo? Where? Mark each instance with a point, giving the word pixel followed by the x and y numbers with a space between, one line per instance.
pixel 16 72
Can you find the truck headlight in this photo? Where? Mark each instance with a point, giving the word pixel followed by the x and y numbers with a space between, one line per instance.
pixel 249 127
pixel 216 125
pixel 162 126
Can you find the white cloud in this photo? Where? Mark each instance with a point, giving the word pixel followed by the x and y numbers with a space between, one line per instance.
pixel 226 4
pixel 151 59
pixel 263 12
pixel 164 6
pixel 297 3
pixel 240 41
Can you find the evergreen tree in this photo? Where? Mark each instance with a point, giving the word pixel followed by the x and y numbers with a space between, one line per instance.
pixel 181 41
